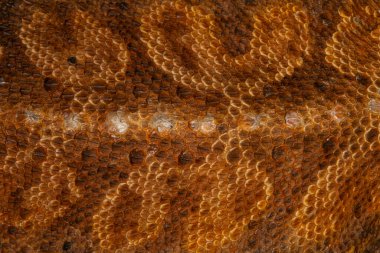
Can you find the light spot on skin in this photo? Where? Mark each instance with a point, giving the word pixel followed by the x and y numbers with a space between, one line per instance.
pixel 337 114
pixel 252 121
pixel 72 121
pixel 256 121
pixel 334 114
pixel 117 122
pixel 1 52
pixel 2 81
pixel 162 123
pixel 374 105
pixel 293 119
pixel 32 117
pixel 205 125
pixel 152 151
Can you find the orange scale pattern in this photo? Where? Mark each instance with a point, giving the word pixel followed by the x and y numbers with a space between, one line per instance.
pixel 189 126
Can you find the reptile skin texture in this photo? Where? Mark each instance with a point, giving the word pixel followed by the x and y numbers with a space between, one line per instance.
pixel 170 126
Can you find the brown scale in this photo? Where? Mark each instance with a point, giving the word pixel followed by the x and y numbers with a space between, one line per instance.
pixel 189 126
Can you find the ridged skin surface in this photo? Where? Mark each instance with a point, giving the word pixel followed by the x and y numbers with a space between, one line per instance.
pixel 189 126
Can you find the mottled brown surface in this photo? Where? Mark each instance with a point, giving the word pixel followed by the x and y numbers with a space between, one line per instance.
pixel 189 126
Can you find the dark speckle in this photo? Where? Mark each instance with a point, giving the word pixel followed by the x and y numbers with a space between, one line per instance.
pixel 372 134
pixel 277 153
pixel 50 84
pixel 233 156
pixel 251 243
pixel 123 6
pixel 139 91
pixel 123 175
pixel 12 230
pixel 45 247
pixel 362 80
pixel 87 154
pixel 183 92
pixel 167 226
pixel 357 210
pixel 39 154
pixel 136 156
pixel 99 86
pixel 252 224
pixel 268 91
pixel 66 246
pixel 250 1
pixel 320 86
pixel 222 128
pixel 328 146
pixel 72 60
pixel 185 158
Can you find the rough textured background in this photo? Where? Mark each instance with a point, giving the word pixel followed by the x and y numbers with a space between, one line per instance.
pixel 189 126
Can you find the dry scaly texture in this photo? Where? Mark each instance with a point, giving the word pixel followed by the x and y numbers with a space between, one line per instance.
pixel 185 126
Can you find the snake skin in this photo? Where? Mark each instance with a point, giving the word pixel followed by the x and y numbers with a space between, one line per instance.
pixel 190 126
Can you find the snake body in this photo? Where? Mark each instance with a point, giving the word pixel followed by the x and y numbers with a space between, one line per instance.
pixel 190 126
